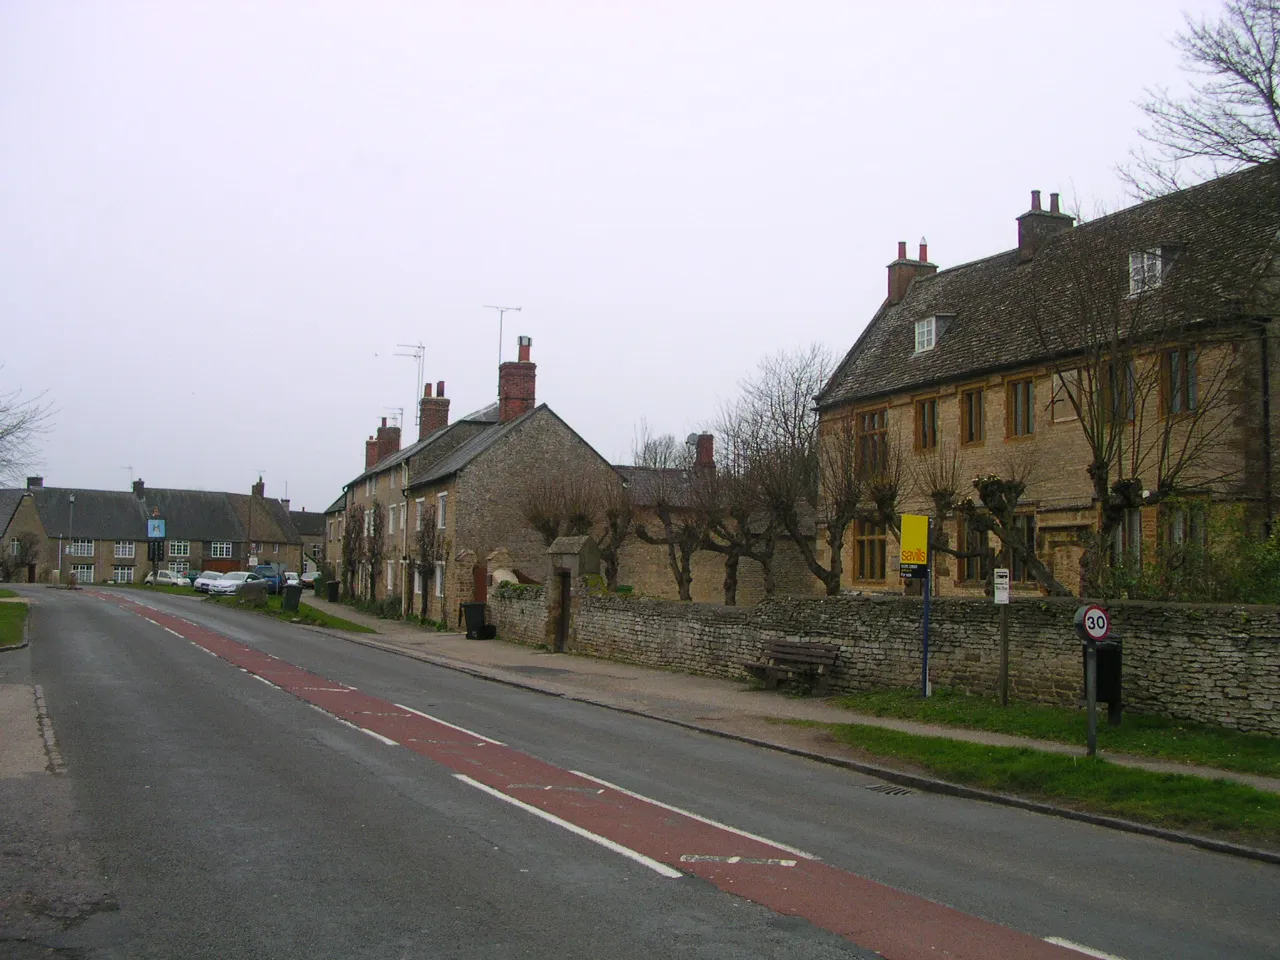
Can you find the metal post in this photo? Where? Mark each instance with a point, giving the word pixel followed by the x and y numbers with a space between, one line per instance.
pixel 928 588
pixel 1004 655
pixel 1091 693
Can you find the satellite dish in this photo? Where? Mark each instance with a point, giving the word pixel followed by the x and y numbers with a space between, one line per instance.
pixel 691 440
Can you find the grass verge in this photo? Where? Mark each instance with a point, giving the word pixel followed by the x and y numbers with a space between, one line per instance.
pixel 305 614
pixel 187 591
pixel 1140 734
pixel 12 616
pixel 8 594
pixel 1165 799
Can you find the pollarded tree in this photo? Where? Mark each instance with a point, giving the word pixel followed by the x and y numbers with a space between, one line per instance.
pixel 671 478
pixel 353 547
pixel 375 546
pixel 429 547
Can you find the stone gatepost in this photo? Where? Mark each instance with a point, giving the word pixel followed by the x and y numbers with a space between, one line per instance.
pixel 571 560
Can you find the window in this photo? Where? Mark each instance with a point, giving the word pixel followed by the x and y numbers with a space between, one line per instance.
pixel 124 550
pixel 870 551
pixel 926 334
pixel 872 439
pixel 81 548
pixel 1146 270
pixel 15 546
pixel 418 521
pixel 391 579
pixel 404 475
pixel 83 572
pixel 1066 396
pixel 179 566
pixel 1185 528
pixel 972 540
pixel 442 502
pixel 179 548
pixel 256 546
pixel 439 578
pixel 1126 540
pixel 971 416
pixel 1020 408
pixel 122 574
pixel 417 579
pixel 1024 526
pixel 927 424
pixel 275 548
pixel 220 550
pixel 1119 391
pixel 391 518
pixel 1179 387
pixel 371 486
pixel 368 522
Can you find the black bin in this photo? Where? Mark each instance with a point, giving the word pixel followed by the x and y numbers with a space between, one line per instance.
pixel 292 594
pixel 473 614
pixel 331 591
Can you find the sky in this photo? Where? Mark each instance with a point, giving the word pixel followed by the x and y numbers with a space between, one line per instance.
pixel 218 220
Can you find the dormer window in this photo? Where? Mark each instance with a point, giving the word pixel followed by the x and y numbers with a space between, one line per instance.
pixel 926 334
pixel 1146 270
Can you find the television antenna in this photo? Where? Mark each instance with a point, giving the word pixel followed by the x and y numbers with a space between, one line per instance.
pixel 416 351
pixel 501 313
pixel 399 414
pixel 130 469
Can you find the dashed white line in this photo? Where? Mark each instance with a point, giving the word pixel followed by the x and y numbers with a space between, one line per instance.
pixel 264 680
pixel 175 633
pixel 1081 948
pixel 640 858
pixel 453 726
pixel 765 861
pixel 377 736
pixel 696 816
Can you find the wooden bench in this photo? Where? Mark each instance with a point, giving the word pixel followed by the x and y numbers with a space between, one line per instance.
pixel 794 659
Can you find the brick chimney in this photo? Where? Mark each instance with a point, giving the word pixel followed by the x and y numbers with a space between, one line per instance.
pixel 388 441
pixel 370 452
pixel 433 412
pixel 705 451
pixel 516 395
pixel 903 270
pixel 1036 227
pixel 35 483
pixel 139 488
pixel 258 489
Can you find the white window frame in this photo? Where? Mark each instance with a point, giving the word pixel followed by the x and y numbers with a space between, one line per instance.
pixel 390 576
pixel 81 548
pixel 417 580
pixel 1146 270
pixel 371 486
pixel 442 506
pixel 15 545
pixel 419 502
pixel 179 566
pixel 391 517
pixel 125 550
pixel 220 550
pixel 78 571
pixel 1065 386
pixel 275 547
pixel 926 334
pixel 179 548
pixel 122 574
pixel 439 578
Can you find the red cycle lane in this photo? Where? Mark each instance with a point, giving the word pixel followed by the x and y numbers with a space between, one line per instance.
pixel 895 924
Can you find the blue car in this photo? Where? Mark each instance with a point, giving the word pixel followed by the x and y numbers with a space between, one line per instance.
pixel 269 573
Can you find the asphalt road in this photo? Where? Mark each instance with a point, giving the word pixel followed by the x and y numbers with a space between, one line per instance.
pixel 232 819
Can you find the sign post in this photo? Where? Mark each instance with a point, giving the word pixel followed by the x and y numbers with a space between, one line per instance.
pixel 1092 624
pixel 914 565
pixel 155 544
pixel 1001 597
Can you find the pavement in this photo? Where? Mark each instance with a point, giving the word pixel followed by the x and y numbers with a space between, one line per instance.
pixel 726 706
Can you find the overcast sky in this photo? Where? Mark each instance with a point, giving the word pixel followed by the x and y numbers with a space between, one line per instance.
pixel 218 219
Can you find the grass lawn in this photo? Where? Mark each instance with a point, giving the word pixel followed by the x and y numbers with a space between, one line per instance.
pixel 1140 734
pixel 8 593
pixel 12 616
pixel 1165 799
pixel 306 614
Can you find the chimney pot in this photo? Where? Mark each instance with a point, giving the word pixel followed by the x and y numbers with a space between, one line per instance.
pixel 1036 227
pixel 384 421
pixel 426 391
pixel 705 455
pixel 1053 203
pixel 433 412
pixel 139 488
pixel 35 483
pixel 924 251
pixel 902 249
pixel 516 384
pixel 524 343
pixel 903 271
pixel 1035 199
pixel 440 389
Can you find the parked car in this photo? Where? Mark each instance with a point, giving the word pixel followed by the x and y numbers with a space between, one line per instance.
pixel 309 580
pixel 166 578
pixel 205 579
pixel 291 579
pixel 271 573
pixel 230 583
pixel 191 576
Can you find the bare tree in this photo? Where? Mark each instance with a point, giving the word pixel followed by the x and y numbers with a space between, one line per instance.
pixel 1231 116
pixel 429 548
pixel 670 479
pixel 24 552
pixel 561 506
pixel 375 546
pixel 353 544
pixel 617 516
pixel 22 423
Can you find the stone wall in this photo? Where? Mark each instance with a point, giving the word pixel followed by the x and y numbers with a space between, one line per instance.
pixel 1218 664
pixel 519 612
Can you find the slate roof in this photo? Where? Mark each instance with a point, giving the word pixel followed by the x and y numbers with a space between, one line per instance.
pixel 97 514
pixel 308 523
pixel 468 451
pixel 485 415
pixel 646 484
pixel 339 505
pixel 1225 234
pixel 9 500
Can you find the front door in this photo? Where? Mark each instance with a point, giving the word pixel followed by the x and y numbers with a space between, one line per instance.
pixel 480 591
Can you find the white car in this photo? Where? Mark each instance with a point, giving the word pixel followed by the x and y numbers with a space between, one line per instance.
pixel 205 579
pixel 230 583
pixel 166 578
pixel 291 579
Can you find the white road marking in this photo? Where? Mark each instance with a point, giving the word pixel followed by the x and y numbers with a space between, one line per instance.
pixel 605 842
pixel 175 633
pixel 332 716
pixel 453 726
pixel 377 736
pixel 264 680
pixel 1081 948
pixel 695 816
pixel 327 689
pixel 766 861
pixel 541 786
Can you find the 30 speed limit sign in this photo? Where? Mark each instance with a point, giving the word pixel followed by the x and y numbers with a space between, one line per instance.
pixel 1093 623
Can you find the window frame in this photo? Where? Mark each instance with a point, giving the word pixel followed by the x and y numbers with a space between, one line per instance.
pixel 371 486
pixel 178 548
pixel 928 326
pixel 442 507
pixel 122 574
pixel 966 566
pixel 1182 398
pixel 871 438
pixel 1065 385
pixel 439 579
pixel 77 547
pixel 870 549
pixel 926 432
pixel 125 550
pixel 1012 398
pixel 220 549
pixel 84 566
pixel 1018 571
pixel 966 415
pixel 1146 270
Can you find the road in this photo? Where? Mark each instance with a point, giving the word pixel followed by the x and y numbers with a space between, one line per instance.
pixel 234 815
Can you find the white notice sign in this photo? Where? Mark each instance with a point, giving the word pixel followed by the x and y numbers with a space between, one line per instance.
pixel 1002 585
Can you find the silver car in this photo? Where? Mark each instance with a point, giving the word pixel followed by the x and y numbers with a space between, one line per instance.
pixel 230 583
pixel 205 579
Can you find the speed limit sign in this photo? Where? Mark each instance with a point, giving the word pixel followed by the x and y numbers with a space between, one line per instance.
pixel 1093 623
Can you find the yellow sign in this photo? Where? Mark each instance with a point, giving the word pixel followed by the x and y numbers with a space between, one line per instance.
pixel 915 545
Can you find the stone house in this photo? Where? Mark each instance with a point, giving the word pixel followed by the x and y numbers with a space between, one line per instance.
pixel 311 532
pixel 1006 360
pixel 101 535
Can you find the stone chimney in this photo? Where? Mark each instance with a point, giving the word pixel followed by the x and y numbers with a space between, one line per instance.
pixel 35 483
pixel 139 488
pixel 285 503
pixel 388 441
pixel 903 270
pixel 1036 227
pixel 370 452
pixel 258 489
pixel 433 412
pixel 516 394
pixel 705 451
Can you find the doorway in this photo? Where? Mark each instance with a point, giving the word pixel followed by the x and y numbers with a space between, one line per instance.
pixel 562 618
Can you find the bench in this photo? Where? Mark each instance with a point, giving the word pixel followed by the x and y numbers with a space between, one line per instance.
pixel 793 659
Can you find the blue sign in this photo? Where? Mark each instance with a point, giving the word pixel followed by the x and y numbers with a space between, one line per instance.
pixel 155 529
